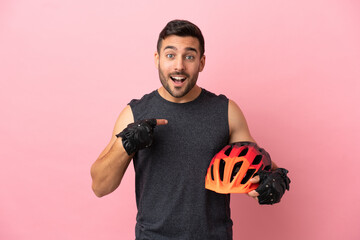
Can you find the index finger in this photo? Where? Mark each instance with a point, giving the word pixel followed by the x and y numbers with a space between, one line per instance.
pixel 161 122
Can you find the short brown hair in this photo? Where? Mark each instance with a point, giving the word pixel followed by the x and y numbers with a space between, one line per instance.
pixel 181 28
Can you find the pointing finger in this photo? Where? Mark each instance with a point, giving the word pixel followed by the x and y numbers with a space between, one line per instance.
pixel 161 121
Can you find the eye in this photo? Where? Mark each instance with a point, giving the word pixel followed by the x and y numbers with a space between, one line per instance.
pixel 190 57
pixel 170 55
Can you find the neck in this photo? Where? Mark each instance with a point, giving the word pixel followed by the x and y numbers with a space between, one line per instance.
pixel 190 96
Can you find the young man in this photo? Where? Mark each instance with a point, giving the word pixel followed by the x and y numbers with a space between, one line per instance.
pixel 171 159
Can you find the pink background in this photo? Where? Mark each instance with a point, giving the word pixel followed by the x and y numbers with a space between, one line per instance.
pixel 67 68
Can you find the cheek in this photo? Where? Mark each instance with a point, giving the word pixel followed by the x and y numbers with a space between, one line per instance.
pixel 162 69
pixel 195 68
pixel 165 66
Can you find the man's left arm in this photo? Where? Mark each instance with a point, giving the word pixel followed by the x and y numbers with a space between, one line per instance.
pixel 272 184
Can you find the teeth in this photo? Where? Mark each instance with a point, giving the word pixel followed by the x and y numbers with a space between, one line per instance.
pixel 178 78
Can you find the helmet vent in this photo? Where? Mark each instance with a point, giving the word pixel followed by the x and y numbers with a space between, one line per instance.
pixel 235 170
pixel 243 152
pixel 228 151
pixel 221 169
pixel 257 159
pixel 212 172
pixel 248 175
pixel 267 168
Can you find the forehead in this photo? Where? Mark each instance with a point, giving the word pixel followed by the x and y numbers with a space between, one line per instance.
pixel 180 43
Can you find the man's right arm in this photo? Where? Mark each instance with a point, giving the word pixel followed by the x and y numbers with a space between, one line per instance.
pixel 108 170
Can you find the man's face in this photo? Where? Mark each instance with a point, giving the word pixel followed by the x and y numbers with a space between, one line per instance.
pixel 179 64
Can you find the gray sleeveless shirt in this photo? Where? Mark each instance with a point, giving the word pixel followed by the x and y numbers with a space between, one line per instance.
pixel 171 197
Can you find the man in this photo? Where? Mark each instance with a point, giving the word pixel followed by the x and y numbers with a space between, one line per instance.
pixel 171 159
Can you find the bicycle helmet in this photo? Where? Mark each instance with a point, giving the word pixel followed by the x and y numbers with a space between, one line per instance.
pixel 232 167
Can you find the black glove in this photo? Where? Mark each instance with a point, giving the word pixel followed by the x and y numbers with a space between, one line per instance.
pixel 272 185
pixel 138 135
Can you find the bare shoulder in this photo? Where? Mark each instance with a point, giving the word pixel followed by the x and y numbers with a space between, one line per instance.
pixel 125 117
pixel 238 127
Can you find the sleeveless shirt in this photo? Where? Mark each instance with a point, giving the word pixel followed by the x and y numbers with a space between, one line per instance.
pixel 170 175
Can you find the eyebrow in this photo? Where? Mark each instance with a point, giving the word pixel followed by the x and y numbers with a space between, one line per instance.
pixel 187 49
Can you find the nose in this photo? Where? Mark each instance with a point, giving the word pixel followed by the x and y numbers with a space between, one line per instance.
pixel 179 64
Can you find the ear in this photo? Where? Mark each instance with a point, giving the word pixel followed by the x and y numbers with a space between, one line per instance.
pixel 202 63
pixel 156 59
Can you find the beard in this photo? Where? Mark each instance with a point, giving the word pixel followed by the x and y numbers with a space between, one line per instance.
pixel 178 92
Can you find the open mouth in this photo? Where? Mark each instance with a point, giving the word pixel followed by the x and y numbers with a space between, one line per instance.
pixel 178 79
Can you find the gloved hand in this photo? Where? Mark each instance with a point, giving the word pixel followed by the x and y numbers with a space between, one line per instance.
pixel 138 135
pixel 272 185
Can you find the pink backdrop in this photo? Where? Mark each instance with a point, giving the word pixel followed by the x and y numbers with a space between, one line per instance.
pixel 68 67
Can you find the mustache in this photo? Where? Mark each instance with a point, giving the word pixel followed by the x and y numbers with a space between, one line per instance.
pixel 179 73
